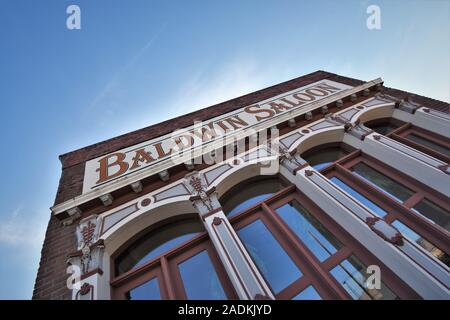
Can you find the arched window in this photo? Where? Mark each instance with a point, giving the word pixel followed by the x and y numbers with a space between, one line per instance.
pixel 172 260
pixel 384 126
pixel 250 192
pixel 418 138
pixel 157 242
pixel 324 155
pixel 299 250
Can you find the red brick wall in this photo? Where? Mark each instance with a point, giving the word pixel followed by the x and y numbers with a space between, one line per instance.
pixel 51 277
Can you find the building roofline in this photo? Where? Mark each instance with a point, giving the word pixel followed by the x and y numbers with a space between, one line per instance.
pixel 140 135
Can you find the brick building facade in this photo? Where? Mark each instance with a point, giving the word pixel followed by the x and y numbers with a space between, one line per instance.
pixel 102 224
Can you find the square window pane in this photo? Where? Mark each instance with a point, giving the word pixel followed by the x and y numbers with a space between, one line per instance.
pixel 200 279
pixel 425 244
pixel 309 293
pixel 321 242
pixel 433 213
pixel 147 291
pixel 428 143
pixel 382 182
pixel 271 259
pixel 359 197
pixel 352 276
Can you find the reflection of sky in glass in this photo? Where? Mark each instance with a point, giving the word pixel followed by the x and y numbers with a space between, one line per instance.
pixel 306 227
pixel 200 278
pixel 146 291
pixel 351 274
pixel 350 279
pixel 382 182
pixel 248 203
pixel 433 213
pixel 271 259
pixel 320 166
pixel 369 204
pixel 428 246
pixel 308 294
pixel 319 159
pixel 165 247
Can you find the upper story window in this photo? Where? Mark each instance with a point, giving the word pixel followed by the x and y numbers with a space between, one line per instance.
pixel 304 255
pixel 249 193
pixel 382 182
pixel 384 126
pixel 422 216
pixel 435 145
pixel 324 155
pixel 418 138
pixel 157 242
pixel 175 260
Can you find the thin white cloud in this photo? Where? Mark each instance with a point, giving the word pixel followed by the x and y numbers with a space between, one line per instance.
pixel 22 230
pixel 210 86
pixel 112 88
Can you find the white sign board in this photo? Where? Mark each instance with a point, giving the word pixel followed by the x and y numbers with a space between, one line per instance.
pixel 109 168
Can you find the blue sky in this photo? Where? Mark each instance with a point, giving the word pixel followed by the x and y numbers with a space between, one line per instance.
pixel 136 63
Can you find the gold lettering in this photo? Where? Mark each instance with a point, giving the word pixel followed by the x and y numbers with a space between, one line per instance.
pixel 267 112
pixel 304 97
pixel 160 150
pixel 206 133
pixel 105 165
pixel 141 156
pixel 236 122
pixel 278 107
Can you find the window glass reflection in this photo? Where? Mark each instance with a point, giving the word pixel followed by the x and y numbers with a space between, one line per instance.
pixel 156 243
pixel 321 242
pixel 249 193
pixel 383 127
pixel 382 182
pixel 146 291
pixel 352 276
pixel 425 244
pixel 308 294
pixel 321 158
pixel 428 143
pixel 433 213
pixel 271 259
pixel 200 279
pixel 369 204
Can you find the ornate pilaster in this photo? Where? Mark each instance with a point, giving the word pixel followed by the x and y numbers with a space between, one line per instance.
pixel 243 273
pixel 205 201
pixel 359 131
pixel 87 261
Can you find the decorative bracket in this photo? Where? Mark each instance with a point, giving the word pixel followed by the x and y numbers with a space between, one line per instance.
pixel 89 255
pixel 204 200
pixel 291 160
pixel 385 230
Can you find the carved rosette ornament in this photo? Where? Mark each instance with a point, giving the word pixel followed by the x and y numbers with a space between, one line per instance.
pixel 90 249
pixel 204 200
pixel 385 230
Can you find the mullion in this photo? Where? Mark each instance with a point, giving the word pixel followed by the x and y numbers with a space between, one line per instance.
pixel 301 250
pixel 395 210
